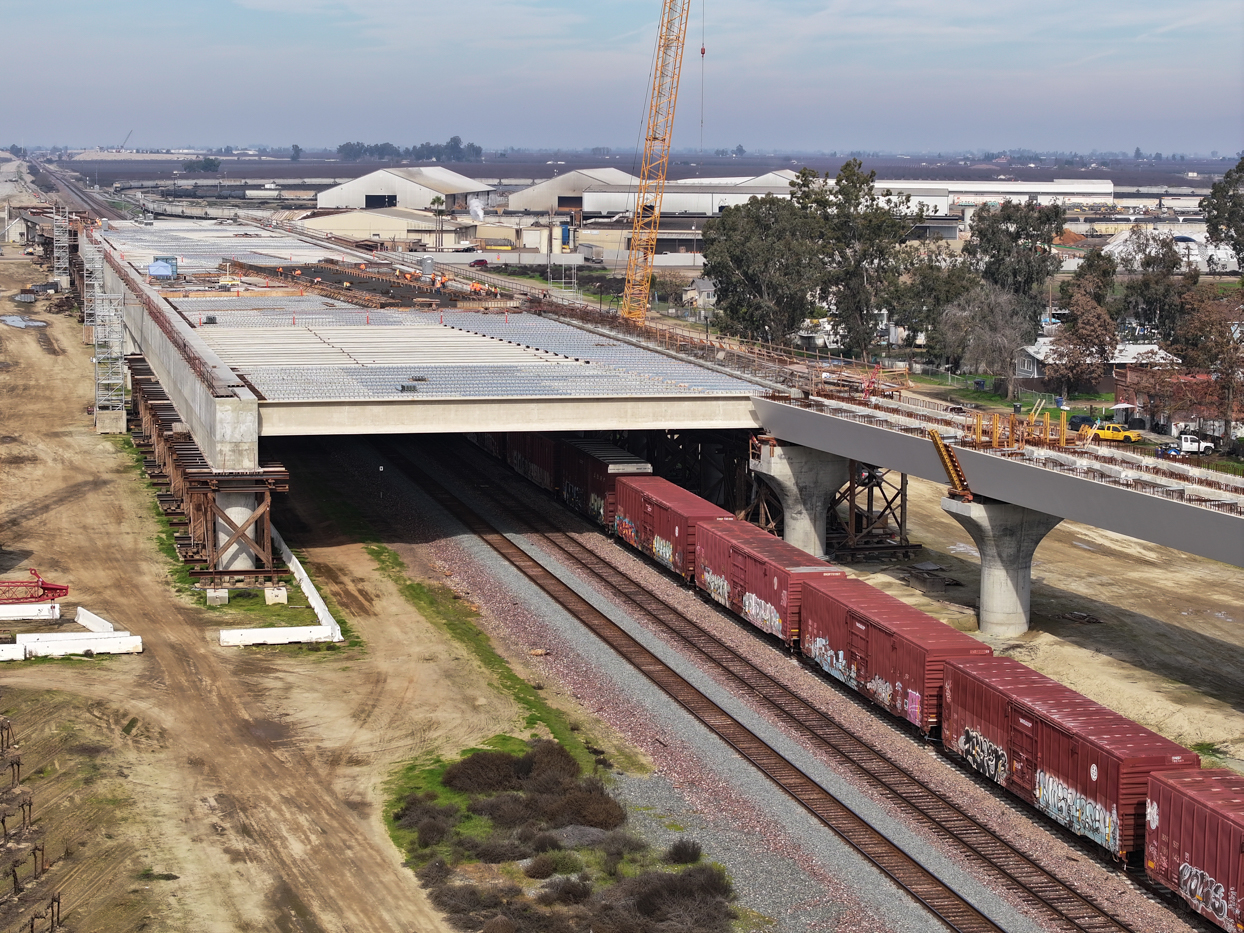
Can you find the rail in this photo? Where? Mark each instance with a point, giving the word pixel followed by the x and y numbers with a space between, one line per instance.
pixel 916 801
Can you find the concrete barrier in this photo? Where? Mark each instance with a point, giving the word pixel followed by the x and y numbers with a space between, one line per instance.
pixel 33 637
pixel 18 611
pixel 327 631
pixel 91 622
pixel 283 635
pixel 12 652
pixel 113 643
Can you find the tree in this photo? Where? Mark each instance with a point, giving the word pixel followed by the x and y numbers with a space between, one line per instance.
pixel 934 280
pixel 1095 276
pixel 295 152
pixel 1013 246
pixel 1158 377
pixel 1211 341
pixel 858 237
pixel 1153 295
pixel 984 330
pixel 739 151
pixel 759 256
pixel 1083 345
pixel 1224 212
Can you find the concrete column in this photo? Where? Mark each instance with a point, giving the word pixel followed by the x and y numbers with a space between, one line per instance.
pixel 805 480
pixel 238 506
pixel 1006 536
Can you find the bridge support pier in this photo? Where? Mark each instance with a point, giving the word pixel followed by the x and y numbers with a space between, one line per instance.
pixel 235 554
pixel 806 481
pixel 1006 536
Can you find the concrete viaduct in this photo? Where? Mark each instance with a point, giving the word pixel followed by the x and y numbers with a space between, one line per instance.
pixel 266 367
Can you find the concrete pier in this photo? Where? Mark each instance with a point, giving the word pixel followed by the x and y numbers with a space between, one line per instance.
pixel 806 481
pixel 238 506
pixel 1006 536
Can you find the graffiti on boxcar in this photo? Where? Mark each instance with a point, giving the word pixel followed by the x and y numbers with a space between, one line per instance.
pixel 624 528
pixel 762 614
pixel 1077 812
pixel 833 663
pixel 716 585
pixel 1199 888
pixel 1151 813
pixel 663 551
pixel 573 496
pixel 913 707
pixel 881 690
pixel 596 507
pixel 987 758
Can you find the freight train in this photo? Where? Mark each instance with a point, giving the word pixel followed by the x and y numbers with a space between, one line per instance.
pixel 1132 792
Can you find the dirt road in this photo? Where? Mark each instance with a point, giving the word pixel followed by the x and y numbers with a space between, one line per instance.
pixel 256 774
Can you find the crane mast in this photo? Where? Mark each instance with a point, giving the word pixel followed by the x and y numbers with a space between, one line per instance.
pixel 670 40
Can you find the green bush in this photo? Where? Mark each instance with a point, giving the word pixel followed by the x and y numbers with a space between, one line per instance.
pixel 541 867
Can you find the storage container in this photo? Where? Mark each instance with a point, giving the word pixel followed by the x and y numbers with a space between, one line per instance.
pixel 1080 763
pixel 589 476
pixel 1194 840
pixel 534 456
pixel 882 647
pixel 755 575
pixel 659 518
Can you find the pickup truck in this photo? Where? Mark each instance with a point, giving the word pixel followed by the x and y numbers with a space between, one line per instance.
pixel 1186 444
pixel 1114 432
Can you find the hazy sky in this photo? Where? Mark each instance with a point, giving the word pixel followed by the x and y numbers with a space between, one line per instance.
pixel 1165 75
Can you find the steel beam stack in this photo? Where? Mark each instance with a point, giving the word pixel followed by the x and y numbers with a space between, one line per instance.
pixel 109 353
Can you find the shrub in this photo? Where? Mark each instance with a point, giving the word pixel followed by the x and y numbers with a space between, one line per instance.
pixel 620 843
pixel 611 862
pixel 482 773
pixel 541 867
pixel 566 863
pixel 500 924
pixel 432 831
pixel 545 842
pixel 589 805
pixel 704 889
pixel 496 851
pixel 463 898
pixel 508 810
pixel 435 873
pixel 564 891
pixel 419 808
pixel 683 852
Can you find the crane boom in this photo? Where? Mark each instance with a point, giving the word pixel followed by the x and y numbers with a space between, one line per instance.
pixel 671 37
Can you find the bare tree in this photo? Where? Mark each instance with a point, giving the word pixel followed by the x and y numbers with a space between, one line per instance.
pixel 985 328
pixel 1083 345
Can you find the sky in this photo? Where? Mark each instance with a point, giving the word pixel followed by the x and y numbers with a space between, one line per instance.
pixel 778 75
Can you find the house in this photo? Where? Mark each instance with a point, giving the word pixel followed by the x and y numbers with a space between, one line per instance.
pixel 701 293
pixel 1031 363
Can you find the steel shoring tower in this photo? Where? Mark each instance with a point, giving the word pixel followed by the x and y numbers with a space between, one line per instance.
pixel 109 353
pixel 92 279
pixel 671 37
pixel 60 243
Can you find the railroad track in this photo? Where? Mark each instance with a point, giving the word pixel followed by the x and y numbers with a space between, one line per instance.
pixel 1062 906
pixel 94 204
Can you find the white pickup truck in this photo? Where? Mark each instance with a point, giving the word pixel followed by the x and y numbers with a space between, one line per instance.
pixel 1187 444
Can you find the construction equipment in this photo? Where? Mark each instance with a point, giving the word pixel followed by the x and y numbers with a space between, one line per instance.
pixel 950 463
pixel 121 148
pixel 671 36
pixel 37 590
pixel 874 380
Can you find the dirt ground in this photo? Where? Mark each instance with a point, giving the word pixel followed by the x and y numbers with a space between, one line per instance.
pixel 255 776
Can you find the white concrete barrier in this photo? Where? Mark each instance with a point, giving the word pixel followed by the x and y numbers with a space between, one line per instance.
pixel 327 630
pixel 18 611
pixel 97 644
pixel 91 622
pixel 282 635
pixel 32 637
pixel 12 652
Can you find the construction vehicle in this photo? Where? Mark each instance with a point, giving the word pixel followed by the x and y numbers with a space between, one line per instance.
pixel 873 381
pixel 959 488
pixel 671 37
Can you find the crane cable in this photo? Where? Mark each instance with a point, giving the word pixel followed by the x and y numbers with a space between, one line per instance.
pixel 702 47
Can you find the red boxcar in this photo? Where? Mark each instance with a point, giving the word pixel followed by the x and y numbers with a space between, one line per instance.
pixel 534 456
pixel 659 518
pixel 1075 760
pixel 882 647
pixel 1194 840
pixel 589 476
pixel 491 442
pixel 756 575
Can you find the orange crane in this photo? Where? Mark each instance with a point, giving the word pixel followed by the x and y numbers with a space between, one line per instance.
pixel 671 37
pixel 959 488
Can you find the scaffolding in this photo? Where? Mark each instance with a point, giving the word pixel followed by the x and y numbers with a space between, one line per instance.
pixel 92 280
pixel 109 353
pixel 60 244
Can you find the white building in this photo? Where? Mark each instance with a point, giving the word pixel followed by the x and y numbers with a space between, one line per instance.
pixel 406 187
pixel 396 225
pixel 565 192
